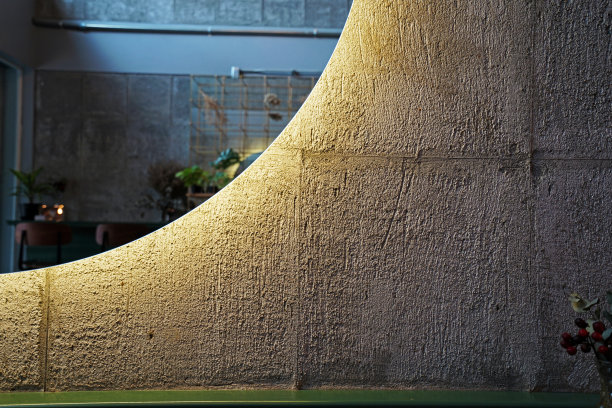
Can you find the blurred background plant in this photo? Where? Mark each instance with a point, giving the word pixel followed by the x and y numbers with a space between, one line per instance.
pixel 225 165
pixel 166 191
pixel 29 186
pixel 194 178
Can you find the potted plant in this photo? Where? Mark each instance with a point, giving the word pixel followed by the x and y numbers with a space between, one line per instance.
pixel 32 189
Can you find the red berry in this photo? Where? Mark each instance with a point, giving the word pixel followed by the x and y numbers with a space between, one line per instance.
pixel 603 349
pixel 581 323
pixel 571 350
pixel 599 327
pixel 567 337
pixel 585 347
pixel 564 344
pixel 583 333
pixel 596 336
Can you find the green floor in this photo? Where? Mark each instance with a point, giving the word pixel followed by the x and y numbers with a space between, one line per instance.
pixel 259 398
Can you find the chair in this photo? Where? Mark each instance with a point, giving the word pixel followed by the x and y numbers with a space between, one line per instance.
pixel 113 235
pixel 41 234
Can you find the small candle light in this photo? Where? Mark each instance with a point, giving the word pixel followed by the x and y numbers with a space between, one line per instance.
pixel 58 210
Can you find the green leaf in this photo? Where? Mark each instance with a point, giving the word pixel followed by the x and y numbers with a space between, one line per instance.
pixel 590 325
pixel 226 158
pixel 606 333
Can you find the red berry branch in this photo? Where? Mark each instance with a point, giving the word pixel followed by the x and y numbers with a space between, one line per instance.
pixel 592 333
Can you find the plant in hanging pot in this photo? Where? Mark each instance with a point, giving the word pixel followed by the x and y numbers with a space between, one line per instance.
pixel 595 336
pixel 29 187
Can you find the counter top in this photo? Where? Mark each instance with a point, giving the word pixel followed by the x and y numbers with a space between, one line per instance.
pixel 288 398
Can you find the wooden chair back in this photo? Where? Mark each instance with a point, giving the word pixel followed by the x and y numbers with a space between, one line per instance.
pixel 116 234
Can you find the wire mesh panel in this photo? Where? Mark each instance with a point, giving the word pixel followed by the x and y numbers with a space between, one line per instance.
pixel 245 114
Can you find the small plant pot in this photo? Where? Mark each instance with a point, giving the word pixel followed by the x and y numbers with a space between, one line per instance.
pixel 29 210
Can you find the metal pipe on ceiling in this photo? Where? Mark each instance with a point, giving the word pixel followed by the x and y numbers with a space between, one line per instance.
pixel 112 26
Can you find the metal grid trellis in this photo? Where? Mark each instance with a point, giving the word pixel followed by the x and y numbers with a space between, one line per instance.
pixel 245 114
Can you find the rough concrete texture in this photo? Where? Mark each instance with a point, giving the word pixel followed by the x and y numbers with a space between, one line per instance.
pixel 406 290
pixel 400 232
pixel 99 131
pixel 270 13
pixel 235 321
pixel 23 331
pixel 284 13
pixel 323 13
pixel 572 224
pixel 572 71
pixel 452 92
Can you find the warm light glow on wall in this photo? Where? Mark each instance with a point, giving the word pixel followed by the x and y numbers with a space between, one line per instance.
pixel 401 232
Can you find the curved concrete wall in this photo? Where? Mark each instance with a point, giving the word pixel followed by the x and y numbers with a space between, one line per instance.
pixel 418 224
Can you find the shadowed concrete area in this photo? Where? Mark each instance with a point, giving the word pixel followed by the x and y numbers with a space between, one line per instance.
pixel 418 224
pixel 101 131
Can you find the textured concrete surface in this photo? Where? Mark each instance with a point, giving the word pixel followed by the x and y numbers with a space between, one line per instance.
pixel 99 131
pixel 452 92
pixel 418 224
pixel 284 13
pixel 271 13
pixel 324 13
pixel 573 220
pixel 416 289
pixel 572 69
pixel 23 331
pixel 238 326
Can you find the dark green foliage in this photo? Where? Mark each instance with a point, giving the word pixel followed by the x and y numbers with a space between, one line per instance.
pixel 28 185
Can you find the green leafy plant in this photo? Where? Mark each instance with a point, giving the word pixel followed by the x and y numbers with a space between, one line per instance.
pixel 220 179
pixel 194 176
pixel 226 158
pixel 29 186
pixel 593 334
